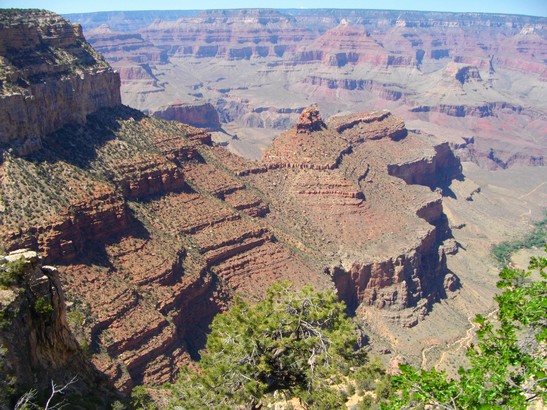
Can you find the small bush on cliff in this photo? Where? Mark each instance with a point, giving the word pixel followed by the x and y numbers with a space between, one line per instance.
pixel 508 366
pixel 42 306
pixel 296 344
pixel 11 273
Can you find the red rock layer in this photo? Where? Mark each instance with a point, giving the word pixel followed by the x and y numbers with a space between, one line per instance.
pixel 378 237
pixel 232 34
pixel 349 44
pixel 96 218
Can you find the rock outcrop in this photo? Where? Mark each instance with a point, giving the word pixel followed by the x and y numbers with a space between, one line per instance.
pixel 337 181
pixel 435 171
pixel 310 120
pixel 38 346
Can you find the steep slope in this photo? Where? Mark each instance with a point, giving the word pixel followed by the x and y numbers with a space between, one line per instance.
pixel 50 61
pixel 36 344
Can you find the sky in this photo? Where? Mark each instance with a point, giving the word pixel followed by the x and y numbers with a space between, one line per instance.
pixel 526 7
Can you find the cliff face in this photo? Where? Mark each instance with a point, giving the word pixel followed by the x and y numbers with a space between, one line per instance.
pixel 154 229
pixel 49 61
pixel 434 171
pixel 39 347
pixel 232 34
pixel 197 115
pixel 330 190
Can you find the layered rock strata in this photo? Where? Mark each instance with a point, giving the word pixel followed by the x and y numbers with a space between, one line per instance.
pixel 155 229
pixel 461 74
pixel 341 207
pixel 49 61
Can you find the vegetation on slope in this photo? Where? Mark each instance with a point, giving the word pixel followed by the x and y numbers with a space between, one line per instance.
pixel 300 345
pixel 296 344
pixel 535 239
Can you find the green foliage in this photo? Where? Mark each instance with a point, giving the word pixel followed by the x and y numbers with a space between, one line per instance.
pixel 77 318
pixel 118 405
pixel 140 399
pixel 298 344
pixel 508 367
pixel 535 239
pixel 11 273
pixel 42 306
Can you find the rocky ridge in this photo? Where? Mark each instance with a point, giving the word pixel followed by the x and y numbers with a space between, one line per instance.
pixel 334 188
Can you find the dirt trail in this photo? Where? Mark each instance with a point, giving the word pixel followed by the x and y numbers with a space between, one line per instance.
pixel 533 190
pixel 461 343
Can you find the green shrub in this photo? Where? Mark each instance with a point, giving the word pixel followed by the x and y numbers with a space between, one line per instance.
pixel 296 343
pixel 507 365
pixel 42 306
pixel 535 239
pixel 11 273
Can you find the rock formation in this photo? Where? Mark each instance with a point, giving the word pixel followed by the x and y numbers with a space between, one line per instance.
pixel 337 175
pixel 154 229
pixel 197 115
pixel 50 61
pixel 38 347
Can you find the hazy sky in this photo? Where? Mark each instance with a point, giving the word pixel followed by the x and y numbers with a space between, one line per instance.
pixel 528 7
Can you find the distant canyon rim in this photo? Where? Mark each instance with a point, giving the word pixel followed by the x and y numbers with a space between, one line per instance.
pixel 475 80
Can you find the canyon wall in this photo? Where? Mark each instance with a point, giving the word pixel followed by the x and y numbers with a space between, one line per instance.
pixel 461 74
pixel 48 62
pixel 39 348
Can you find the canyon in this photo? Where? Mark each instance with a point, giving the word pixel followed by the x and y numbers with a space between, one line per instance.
pixel 461 77
pixel 154 226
